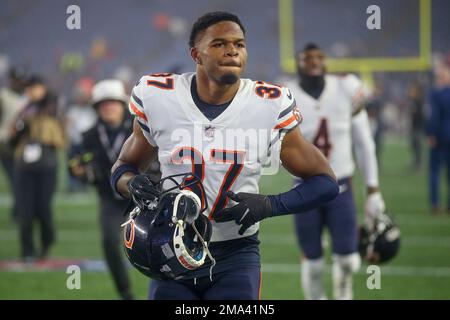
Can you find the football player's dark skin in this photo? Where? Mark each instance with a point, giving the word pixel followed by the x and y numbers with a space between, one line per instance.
pixel 220 56
pixel 312 64
pixel 220 62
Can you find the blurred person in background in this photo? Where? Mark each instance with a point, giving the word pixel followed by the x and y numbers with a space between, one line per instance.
pixel 335 120
pixel 438 132
pixel 416 101
pixel 99 150
pixel 38 137
pixel 79 118
pixel 374 107
pixel 12 102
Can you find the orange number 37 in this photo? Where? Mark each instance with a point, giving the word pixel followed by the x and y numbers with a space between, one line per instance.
pixel 232 157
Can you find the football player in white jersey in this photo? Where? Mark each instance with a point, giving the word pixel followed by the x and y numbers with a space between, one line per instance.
pixel 196 122
pixel 334 121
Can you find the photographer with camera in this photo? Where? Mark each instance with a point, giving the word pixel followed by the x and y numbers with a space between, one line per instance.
pixel 101 146
pixel 36 137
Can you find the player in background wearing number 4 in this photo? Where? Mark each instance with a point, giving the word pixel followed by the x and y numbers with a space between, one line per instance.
pixel 334 120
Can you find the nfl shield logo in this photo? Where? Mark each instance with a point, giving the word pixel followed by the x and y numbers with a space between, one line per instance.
pixel 209 131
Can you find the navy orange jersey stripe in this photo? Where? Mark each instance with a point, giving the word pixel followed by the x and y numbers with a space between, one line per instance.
pixel 143 126
pixel 287 110
pixel 135 111
pixel 289 116
pixel 286 123
pixel 137 100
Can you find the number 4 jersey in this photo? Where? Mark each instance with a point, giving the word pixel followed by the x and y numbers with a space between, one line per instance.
pixel 328 123
pixel 226 153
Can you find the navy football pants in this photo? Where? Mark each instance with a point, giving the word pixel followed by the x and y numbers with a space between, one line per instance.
pixel 339 216
pixel 235 284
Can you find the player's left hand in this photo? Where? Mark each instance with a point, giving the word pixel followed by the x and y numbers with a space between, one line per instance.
pixel 374 208
pixel 143 190
pixel 250 209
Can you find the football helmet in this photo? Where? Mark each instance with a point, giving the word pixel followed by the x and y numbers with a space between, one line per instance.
pixel 169 236
pixel 382 243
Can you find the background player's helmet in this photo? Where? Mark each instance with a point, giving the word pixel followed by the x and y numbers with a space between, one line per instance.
pixel 381 244
pixel 170 239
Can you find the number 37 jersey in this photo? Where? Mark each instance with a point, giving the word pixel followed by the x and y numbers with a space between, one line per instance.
pixel 226 153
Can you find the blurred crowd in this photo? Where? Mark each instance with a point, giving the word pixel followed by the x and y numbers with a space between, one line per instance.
pixel 37 133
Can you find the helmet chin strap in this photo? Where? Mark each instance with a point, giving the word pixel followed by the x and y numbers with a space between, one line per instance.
pixel 181 253
pixel 205 247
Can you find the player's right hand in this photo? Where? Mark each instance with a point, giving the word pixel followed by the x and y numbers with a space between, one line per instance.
pixel 250 209
pixel 141 187
pixel 374 208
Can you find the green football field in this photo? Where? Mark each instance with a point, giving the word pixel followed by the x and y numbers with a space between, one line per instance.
pixel 420 271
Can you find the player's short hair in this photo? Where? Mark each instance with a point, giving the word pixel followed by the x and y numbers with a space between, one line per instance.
pixel 208 20
pixel 309 46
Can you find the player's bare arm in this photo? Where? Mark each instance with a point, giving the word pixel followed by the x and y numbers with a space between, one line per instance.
pixel 301 158
pixel 135 157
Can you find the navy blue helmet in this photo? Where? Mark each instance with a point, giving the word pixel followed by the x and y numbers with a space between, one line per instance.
pixel 382 243
pixel 168 237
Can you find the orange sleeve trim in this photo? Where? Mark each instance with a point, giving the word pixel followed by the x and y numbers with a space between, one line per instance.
pixel 286 123
pixel 139 113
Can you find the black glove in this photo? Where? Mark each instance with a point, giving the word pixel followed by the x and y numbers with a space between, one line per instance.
pixel 250 209
pixel 143 190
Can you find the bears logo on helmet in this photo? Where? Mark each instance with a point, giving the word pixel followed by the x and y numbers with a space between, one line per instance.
pixel 168 240
pixel 128 234
pixel 382 243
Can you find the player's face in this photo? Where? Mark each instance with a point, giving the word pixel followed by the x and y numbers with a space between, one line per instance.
pixel 221 52
pixel 311 63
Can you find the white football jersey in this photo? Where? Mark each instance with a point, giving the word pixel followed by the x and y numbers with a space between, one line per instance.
pixel 328 119
pixel 227 153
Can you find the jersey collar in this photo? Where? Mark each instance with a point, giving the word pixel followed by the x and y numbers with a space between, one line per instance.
pixel 184 96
